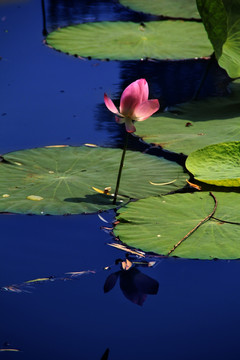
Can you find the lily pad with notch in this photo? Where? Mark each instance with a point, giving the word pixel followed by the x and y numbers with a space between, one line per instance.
pixel 157 224
pixel 60 180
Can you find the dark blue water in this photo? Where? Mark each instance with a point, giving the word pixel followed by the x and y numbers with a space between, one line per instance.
pixel 51 98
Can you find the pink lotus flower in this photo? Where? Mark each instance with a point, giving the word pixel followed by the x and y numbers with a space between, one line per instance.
pixel 134 105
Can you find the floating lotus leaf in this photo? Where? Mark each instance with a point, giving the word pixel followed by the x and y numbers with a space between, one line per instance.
pixel 59 180
pixel 196 124
pixel 217 164
pixel 221 20
pixel 133 41
pixel 172 8
pixel 156 224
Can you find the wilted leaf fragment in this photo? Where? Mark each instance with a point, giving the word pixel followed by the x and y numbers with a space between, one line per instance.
pixel 79 273
pixel 91 145
pixel 11 288
pixel 26 285
pixel 197 187
pixel 56 146
pixel 125 248
pixel 38 280
pixel 35 197
pixel 9 350
pixel 101 218
pixel 105 191
pixel 162 184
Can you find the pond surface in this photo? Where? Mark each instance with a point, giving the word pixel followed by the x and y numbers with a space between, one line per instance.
pixel 50 98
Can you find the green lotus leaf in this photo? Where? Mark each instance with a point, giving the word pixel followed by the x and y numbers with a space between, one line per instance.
pixel 172 8
pixel 133 41
pixel 221 20
pixel 157 224
pixel 217 164
pixel 196 124
pixel 59 180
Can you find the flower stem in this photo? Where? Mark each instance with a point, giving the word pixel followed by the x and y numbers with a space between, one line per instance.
pixel 120 168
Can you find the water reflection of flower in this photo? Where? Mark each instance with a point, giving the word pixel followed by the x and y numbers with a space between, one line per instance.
pixel 134 284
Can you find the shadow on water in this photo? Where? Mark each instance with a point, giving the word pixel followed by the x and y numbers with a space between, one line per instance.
pixel 177 81
pixel 105 355
pixel 66 12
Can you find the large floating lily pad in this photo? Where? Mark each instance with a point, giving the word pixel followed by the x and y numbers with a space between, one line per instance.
pixel 59 180
pixel 193 125
pixel 156 224
pixel 172 8
pixel 221 20
pixel 217 164
pixel 133 41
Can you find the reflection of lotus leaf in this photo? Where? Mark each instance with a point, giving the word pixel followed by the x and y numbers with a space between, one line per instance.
pixel 172 8
pixel 156 224
pixel 59 180
pixel 217 164
pixel 133 41
pixel 196 124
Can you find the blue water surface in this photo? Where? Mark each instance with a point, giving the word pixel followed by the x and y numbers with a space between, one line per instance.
pixel 50 98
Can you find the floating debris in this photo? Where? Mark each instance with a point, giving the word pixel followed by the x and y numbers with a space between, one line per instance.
pixel 26 285
pixel 90 145
pixel 34 197
pixel 78 273
pixel 105 191
pixel 162 184
pixel 194 185
pixel 124 248
pixel 56 146
pixel 39 280
pixel 101 218
pixel 13 350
